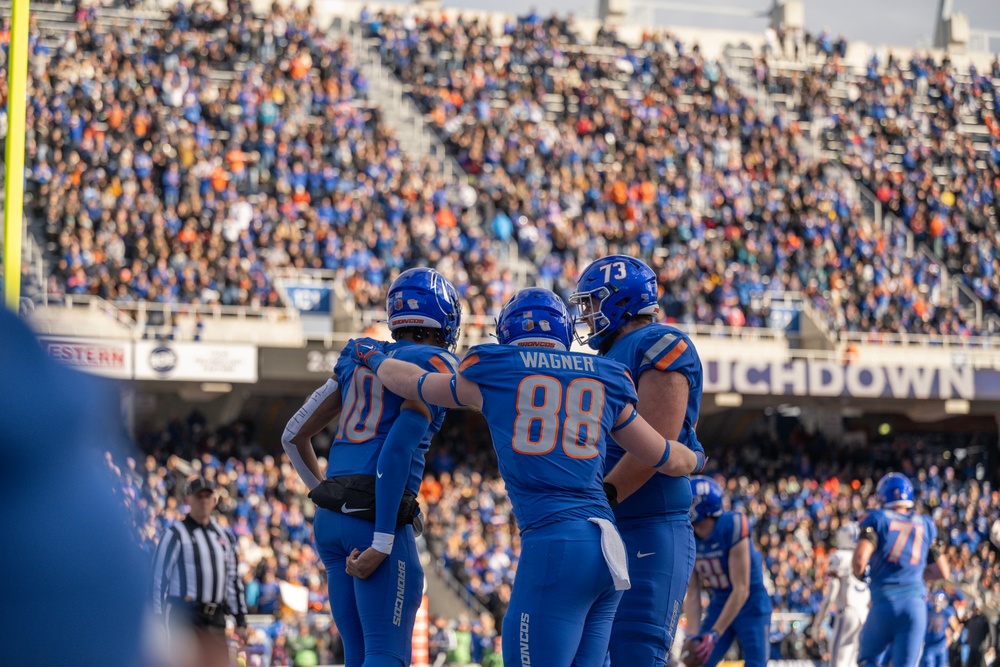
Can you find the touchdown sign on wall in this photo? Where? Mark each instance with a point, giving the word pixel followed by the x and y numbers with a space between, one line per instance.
pixel 821 377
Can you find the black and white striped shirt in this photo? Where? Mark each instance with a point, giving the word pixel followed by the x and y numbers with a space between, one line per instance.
pixel 199 565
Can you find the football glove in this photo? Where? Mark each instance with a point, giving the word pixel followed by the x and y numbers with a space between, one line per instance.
pixel 368 352
pixel 706 643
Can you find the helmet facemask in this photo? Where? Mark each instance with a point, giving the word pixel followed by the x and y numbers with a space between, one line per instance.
pixel 590 312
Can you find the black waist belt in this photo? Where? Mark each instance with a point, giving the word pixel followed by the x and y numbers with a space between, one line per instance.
pixel 202 613
pixel 354 495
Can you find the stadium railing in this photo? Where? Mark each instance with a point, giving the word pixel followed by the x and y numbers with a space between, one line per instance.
pixel 92 316
pixel 922 340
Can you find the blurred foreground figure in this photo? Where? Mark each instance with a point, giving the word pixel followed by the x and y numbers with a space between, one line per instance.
pixel 74 581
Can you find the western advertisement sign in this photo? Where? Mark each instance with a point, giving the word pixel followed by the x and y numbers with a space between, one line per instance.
pixel 109 358
pixel 198 362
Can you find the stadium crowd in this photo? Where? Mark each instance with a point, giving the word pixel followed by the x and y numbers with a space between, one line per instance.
pixel 186 161
pixel 924 136
pixel 655 152
pixel 470 528
pixel 189 159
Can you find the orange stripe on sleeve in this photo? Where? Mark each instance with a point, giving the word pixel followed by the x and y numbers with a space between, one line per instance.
pixel 670 357
pixel 439 364
pixel 744 527
pixel 468 361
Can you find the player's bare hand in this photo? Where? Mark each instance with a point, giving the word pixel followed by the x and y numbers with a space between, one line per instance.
pixel 362 565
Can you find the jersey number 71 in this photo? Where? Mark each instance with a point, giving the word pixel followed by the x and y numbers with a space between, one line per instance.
pixel 539 425
pixel 903 531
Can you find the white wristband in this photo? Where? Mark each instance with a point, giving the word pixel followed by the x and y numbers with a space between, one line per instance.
pixel 382 542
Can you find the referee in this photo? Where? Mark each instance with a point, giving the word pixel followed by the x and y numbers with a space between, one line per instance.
pixel 195 578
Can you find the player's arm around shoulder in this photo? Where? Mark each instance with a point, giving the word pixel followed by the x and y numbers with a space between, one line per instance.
pixel 457 390
pixel 640 439
pixel 662 403
pixel 409 380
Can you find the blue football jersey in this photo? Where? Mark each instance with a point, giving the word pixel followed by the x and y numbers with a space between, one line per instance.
pixel 902 543
pixel 711 563
pixel 369 411
pixel 937 624
pixel 664 348
pixel 548 413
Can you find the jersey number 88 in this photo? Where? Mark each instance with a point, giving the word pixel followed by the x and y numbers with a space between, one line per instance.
pixel 538 424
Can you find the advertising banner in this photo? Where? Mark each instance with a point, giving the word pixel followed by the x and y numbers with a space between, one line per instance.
pixel 110 358
pixel 199 362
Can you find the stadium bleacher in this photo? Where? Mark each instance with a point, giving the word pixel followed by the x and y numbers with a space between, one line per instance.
pixel 654 151
pixel 187 171
pixel 923 136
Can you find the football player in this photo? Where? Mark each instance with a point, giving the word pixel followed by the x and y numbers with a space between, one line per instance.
pixel 366 501
pixel 617 298
pixel 896 544
pixel 730 567
pixel 848 595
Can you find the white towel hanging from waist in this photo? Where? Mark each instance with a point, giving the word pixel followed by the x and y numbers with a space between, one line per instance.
pixel 614 553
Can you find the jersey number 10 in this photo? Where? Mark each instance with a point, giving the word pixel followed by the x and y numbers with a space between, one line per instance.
pixel 538 425
pixel 363 403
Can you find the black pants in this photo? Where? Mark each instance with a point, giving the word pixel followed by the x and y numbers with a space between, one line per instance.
pixel 205 625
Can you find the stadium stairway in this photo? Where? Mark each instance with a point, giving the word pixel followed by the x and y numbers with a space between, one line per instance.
pixel 445 595
pixel 398 111
pixel 416 138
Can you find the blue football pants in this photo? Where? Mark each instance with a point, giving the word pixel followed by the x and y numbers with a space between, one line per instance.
pixel 752 631
pixel 375 616
pixel 660 561
pixel 899 625
pixel 935 656
pixel 563 601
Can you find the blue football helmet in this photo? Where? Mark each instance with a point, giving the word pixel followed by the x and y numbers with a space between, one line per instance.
pixel 535 317
pixel 424 298
pixel 894 490
pixel 706 498
pixel 610 292
pixel 939 600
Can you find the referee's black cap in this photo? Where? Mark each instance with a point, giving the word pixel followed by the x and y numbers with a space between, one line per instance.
pixel 200 484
